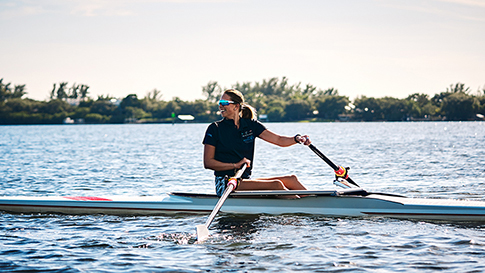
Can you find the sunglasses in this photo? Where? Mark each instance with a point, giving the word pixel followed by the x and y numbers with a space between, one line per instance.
pixel 225 102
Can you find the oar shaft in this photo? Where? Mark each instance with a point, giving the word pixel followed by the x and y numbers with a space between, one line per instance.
pixel 224 196
pixel 219 204
pixel 330 163
pixel 322 156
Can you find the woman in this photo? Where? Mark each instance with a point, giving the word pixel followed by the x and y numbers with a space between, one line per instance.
pixel 229 143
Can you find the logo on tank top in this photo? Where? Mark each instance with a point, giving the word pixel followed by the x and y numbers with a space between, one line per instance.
pixel 247 136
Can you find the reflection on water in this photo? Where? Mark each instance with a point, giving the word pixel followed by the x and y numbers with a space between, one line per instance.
pixel 432 160
pixel 237 226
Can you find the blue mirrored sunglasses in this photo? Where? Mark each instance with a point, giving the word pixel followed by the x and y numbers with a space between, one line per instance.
pixel 225 102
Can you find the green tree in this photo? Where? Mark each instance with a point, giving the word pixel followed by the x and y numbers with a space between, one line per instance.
pixel 481 106
pixel 83 91
pixel 212 91
pixel 130 101
pixel 331 106
pixel 136 113
pixel 297 109
pixel 368 109
pixel 327 92
pixel 80 113
pixel 59 92
pixel 421 106
pixel 269 87
pixel 247 90
pixel 171 107
pixel 103 107
pixel 154 95
pixel 95 118
pixel 73 92
pixel 458 88
pixel 56 107
pixel 19 91
pixel 437 99
pixel 202 110
pixel 459 106
pixel 394 109
pixel 22 105
pixel 275 109
pixel 196 108
pixel 105 97
pixel 5 91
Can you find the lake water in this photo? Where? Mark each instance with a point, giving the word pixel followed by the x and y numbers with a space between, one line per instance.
pixel 431 160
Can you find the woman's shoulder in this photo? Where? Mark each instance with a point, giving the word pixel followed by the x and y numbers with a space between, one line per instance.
pixel 216 123
pixel 254 123
pixel 251 121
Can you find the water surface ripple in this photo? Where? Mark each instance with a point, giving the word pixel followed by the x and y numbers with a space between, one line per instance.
pixel 431 160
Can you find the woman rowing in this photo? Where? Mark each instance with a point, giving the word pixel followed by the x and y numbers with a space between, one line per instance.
pixel 229 143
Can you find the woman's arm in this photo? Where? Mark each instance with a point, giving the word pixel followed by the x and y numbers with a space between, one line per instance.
pixel 283 141
pixel 211 163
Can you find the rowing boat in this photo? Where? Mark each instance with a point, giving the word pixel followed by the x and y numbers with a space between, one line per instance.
pixel 332 203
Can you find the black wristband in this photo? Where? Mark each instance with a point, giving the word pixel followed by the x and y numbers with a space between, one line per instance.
pixel 296 140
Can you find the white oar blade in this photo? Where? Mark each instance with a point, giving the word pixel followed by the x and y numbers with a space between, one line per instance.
pixel 203 230
pixel 202 233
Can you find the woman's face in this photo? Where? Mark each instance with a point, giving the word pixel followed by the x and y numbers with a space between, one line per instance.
pixel 228 111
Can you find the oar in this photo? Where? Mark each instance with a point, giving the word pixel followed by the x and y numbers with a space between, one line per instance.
pixel 339 170
pixel 203 230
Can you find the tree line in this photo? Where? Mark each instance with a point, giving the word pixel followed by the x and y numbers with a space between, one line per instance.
pixel 275 100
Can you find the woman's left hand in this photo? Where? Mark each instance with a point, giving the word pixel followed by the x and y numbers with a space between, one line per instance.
pixel 305 140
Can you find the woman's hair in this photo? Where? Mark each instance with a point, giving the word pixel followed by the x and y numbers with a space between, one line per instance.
pixel 246 110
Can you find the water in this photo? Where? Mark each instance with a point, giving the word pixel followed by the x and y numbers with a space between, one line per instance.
pixel 431 160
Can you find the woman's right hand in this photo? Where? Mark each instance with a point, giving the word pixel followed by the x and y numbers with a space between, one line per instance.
pixel 242 162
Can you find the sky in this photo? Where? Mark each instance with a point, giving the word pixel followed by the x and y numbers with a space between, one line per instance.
pixel 372 48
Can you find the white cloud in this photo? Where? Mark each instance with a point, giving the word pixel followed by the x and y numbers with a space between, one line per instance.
pixel 102 8
pixel 471 3
pixel 20 8
pixel 469 10
pixel 15 9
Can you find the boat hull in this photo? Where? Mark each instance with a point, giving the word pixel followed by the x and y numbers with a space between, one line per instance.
pixel 325 203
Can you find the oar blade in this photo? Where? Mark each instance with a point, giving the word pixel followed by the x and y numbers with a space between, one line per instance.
pixel 202 233
pixel 203 230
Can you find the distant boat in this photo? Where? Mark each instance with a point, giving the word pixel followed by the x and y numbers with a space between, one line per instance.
pixel 68 120
pixel 186 117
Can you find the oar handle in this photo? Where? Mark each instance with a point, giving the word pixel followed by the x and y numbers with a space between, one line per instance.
pixel 229 189
pixel 339 171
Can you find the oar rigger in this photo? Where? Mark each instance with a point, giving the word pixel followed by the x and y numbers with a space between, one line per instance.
pixel 341 176
pixel 342 172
